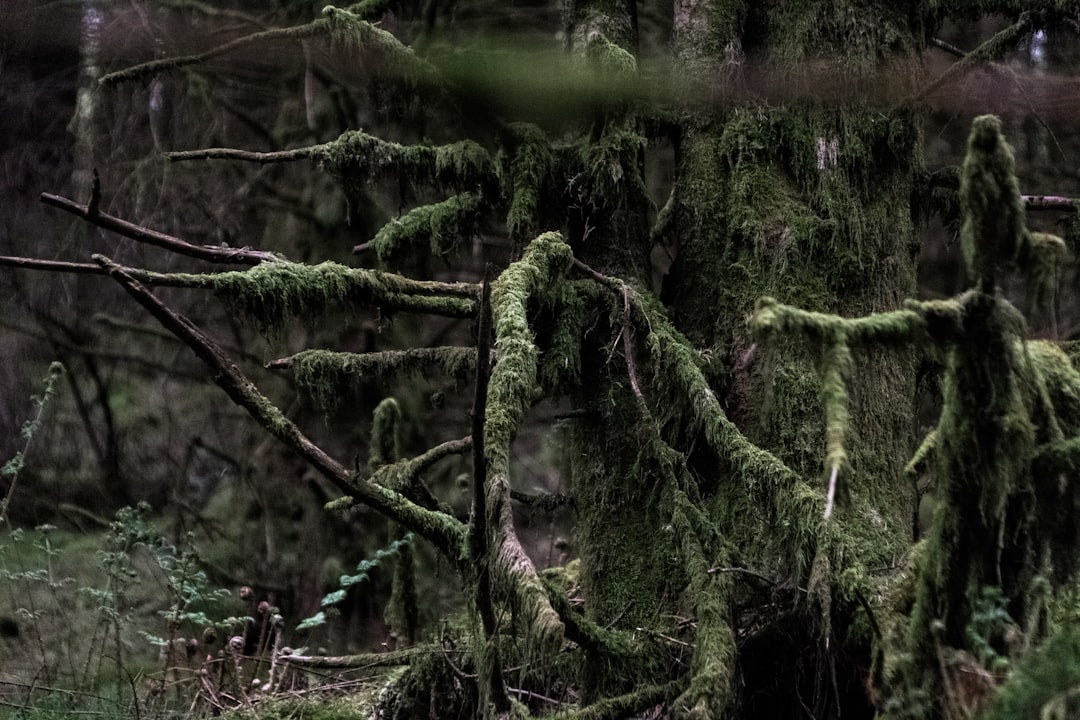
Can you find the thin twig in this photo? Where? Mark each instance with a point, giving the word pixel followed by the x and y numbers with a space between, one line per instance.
pixel 210 253
pixel 744 571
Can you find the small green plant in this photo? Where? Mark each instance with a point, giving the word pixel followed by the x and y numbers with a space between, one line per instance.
pixel 363 572
pixel 14 466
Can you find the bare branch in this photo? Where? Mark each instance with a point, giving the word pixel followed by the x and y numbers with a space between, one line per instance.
pixel 210 253
pixel 263 158
pixel 154 67
pixel 1049 202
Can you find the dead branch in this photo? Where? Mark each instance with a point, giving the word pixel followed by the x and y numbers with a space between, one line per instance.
pixel 155 67
pixel 263 158
pixel 1049 202
pixel 210 253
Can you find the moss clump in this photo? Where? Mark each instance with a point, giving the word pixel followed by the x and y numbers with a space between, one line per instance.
pixel 993 231
pixel 357 158
pixel 272 293
pixel 444 226
pixel 528 168
pixel 330 378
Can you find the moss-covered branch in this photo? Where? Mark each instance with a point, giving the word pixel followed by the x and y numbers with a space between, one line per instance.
pixel 274 292
pixel 155 67
pixel 992 47
pixel 510 392
pixel 442 530
pixel 326 375
pixel 341 25
pixel 357 156
pixel 444 226
pixel 628 705
pixel 262 158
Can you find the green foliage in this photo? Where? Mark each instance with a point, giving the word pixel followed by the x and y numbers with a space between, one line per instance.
pixel 1044 685
pixel 185 582
pixel 529 166
pixel 14 466
pixel 445 226
pixel 363 572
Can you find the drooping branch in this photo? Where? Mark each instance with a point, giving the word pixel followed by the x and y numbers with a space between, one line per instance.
pixel 443 531
pixel 210 253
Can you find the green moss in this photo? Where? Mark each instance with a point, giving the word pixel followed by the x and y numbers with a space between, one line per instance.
pixel 511 389
pixel 272 293
pixel 612 169
pixel 607 57
pixel 445 226
pixel 357 158
pixel 527 178
pixel 330 378
pixel 385 446
pixel 993 231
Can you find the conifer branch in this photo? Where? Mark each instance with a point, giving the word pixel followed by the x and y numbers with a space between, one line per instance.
pixel 210 253
pixel 442 530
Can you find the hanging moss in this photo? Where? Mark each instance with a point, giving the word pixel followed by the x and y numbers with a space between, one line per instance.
pixel 385 446
pixel 527 177
pixel 464 165
pixel 330 378
pixel 356 157
pixel 378 47
pixel 445 226
pixel 272 293
pixel 612 169
pixel 993 231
